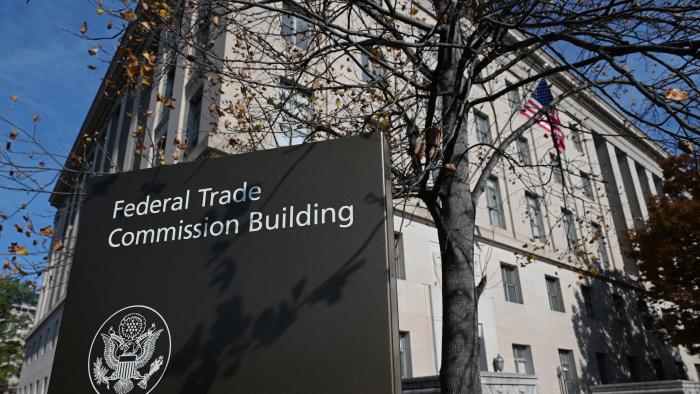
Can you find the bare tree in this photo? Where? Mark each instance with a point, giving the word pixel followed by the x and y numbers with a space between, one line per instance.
pixel 285 72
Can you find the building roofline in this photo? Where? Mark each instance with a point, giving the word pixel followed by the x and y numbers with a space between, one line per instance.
pixel 93 115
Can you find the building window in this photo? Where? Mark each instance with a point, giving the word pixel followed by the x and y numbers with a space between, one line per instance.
pixel 295 30
pixel 405 354
pixel 494 203
pixel 681 373
pixel 399 256
pixel 524 152
pixel 603 367
pixel 586 184
pixel 633 368
pixel 535 214
pixel 602 254
pixel 194 115
pixel 557 173
pixel 576 137
pixel 511 283
pixel 111 140
pixel 125 131
pixel 619 305
pixel 556 302
pixel 523 360
pixel 141 121
pixel 569 229
pixel 659 369
pixel 567 372
pixel 514 100
pixel 588 301
pixel 168 84
pixel 483 132
pixel 159 143
pixel 371 69
pixel 483 363
pixel 295 113
pixel 201 38
pixel 55 333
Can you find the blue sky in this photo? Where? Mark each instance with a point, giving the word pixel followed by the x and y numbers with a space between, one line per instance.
pixel 46 68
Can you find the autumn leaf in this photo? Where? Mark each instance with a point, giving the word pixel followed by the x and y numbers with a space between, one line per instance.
pixel 19 228
pixel 13 134
pixel 675 94
pixel 338 102
pixel 168 102
pixel 13 99
pixel 47 231
pixel 100 11
pixel 450 167
pixel 35 117
pixel 686 146
pixel 19 249
pixel 419 149
pixel 83 28
pixel 94 51
pixel 57 246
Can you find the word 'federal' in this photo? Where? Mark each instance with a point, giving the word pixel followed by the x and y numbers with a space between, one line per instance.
pixel 208 198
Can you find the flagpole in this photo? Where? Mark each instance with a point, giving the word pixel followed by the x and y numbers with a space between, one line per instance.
pixel 559 162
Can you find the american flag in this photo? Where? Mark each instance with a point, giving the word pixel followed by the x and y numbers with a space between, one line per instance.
pixel 550 122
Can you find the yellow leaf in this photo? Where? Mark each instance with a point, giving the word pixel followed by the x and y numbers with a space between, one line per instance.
pixel 338 102
pixel 48 230
pixel 675 94
pixel 20 250
pixel 100 11
pixel 129 16
pixel 57 246
pixel 83 28
pixel 414 11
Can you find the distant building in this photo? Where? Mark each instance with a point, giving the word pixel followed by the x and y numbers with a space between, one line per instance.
pixel 544 314
pixel 28 310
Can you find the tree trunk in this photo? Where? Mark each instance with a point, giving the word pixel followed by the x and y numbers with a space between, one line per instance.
pixel 455 221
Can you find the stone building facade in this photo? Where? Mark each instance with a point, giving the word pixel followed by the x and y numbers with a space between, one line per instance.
pixel 560 307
